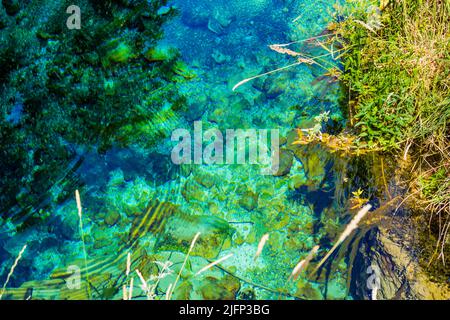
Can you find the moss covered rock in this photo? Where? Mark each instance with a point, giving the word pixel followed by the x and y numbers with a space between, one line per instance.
pixel 181 229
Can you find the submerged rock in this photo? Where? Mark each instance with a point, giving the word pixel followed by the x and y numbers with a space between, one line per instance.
pixel 183 70
pixel 285 164
pixel 277 218
pixel 314 159
pixel 153 219
pixel 112 218
pixel 309 291
pixel 385 251
pixel 163 10
pixel 223 289
pixel 196 109
pixel 205 179
pixel 273 87
pixel 181 229
pixel 192 192
pixel 219 57
pixel 215 26
pixel 249 200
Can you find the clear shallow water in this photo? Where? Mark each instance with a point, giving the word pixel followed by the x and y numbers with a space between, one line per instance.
pixel 136 200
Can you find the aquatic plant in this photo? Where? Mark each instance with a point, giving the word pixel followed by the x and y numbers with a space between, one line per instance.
pixel 301 58
pixel 344 144
pixel 395 68
pixel 356 200
pixel 303 264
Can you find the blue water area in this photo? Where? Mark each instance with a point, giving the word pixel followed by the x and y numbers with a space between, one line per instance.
pixel 136 200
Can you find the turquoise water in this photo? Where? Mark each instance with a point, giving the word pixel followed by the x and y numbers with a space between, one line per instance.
pixel 136 200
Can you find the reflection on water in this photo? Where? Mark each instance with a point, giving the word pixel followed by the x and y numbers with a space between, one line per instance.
pixel 137 202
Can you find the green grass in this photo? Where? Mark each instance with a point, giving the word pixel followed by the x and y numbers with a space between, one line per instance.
pixel 396 69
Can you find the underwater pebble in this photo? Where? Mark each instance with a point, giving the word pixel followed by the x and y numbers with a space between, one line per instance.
pixel 112 218
pixel 223 289
pixel 285 162
pixel 249 200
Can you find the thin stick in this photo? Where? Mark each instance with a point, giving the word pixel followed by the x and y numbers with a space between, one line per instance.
pixel 143 282
pixel 184 263
pixel 124 292
pixel 303 40
pixel 384 179
pixel 128 264
pixel 265 74
pixel 168 291
pixel 303 264
pixel 249 282
pixel 130 294
pixel 309 60
pixel 261 245
pixel 348 230
pixel 80 215
pixel 212 264
pixel 11 271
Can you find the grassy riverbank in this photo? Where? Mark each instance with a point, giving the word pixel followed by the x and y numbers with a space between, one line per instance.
pixel 396 66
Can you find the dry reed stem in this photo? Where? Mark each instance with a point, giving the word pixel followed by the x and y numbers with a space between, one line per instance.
pixel 80 215
pixel 141 278
pixel 283 50
pixel 304 40
pixel 279 48
pixel 264 74
pixel 78 200
pixel 128 264
pixel 303 264
pixel 212 264
pixel 348 230
pixel 184 264
pixel 261 245
pixel 124 292
pixel 168 291
pixel 130 294
pixel 365 25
